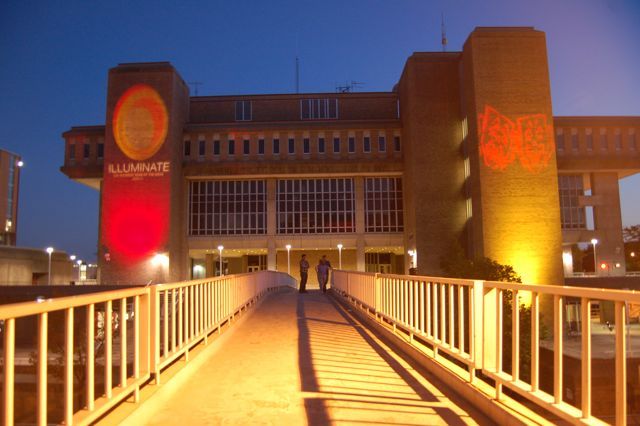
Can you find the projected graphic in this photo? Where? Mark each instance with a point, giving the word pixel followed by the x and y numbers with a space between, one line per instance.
pixel 140 122
pixel 502 140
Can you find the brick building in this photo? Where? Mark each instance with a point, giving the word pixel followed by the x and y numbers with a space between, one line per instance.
pixel 461 151
pixel 10 165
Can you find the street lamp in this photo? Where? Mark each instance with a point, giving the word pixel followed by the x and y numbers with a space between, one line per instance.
pixel 220 248
pixel 49 250
pixel 79 262
pixel 411 253
pixel 340 256
pixel 288 247
pixel 594 241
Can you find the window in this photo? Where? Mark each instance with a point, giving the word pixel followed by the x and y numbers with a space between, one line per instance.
pixel 603 141
pixel 243 111
pixel 201 145
pixel 260 146
pixel 72 151
pixel 305 146
pixel 317 109
pixel 227 207
pixel 574 140
pixel 352 144
pixel 366 144
pixel 383 204
pixel 315 206
pixel 246 148
pixel 216 147
pixel 382 144
pixel 572 215
pixel 292 146
pixel 589 140
pixel 86 150
pixel 321 145
pixel 232 146
pixel 618 140
pixel 336 145
pixel 100 150
pixel 187 148
pixel 276 146
pixel 560 140
pixel 632 142
pixel 396 143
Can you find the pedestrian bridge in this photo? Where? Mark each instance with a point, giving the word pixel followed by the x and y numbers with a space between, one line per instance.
pixel 376 349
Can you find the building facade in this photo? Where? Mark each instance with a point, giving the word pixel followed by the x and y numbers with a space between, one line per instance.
pixel 10 165
pixel 461 152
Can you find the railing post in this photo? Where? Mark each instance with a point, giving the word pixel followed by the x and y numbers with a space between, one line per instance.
pixel 145 304
pixel 621 364
pixel 489 332
pixel 476 316
pixel 154 331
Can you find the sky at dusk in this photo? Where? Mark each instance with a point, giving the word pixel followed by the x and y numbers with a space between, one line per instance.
pixel 54 58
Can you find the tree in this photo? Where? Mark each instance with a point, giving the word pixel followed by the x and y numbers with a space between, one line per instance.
pixel 456 265
pixel 631 233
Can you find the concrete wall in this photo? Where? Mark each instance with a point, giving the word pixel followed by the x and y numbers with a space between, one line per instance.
pixel 23 266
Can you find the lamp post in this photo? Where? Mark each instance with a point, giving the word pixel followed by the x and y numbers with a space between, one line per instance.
pixel 79 262
pixel 594 241
pixel 340 255
pixel 288 247
pixel 49 250
pixel 220 248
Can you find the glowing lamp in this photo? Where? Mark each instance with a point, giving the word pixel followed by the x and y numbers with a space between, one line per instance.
pixel 20 163
pixel 603 266
pixel 72 257
pixel 594 241
pixel 160 260
pixel 618 264
pixel 633 254
pixel 49 250
pixel 79 262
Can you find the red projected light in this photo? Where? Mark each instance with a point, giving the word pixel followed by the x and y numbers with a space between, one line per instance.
pixel 502 140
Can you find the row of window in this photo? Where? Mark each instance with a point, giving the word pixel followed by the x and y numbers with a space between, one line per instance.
pixel 86 151
pixel 572 214
pixel 589 143
pixel 291 146
pixel 303 206
pixel 310 109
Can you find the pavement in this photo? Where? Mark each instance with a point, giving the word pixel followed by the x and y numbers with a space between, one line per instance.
pixel 300 359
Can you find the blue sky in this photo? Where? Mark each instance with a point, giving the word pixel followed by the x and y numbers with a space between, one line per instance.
pixel 54 58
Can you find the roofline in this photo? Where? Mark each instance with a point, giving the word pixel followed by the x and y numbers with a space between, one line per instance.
pixel 296 95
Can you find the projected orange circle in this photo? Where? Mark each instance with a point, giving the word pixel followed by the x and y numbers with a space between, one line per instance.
pixel 140 122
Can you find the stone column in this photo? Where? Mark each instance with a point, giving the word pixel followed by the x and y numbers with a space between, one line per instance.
pixel 607 220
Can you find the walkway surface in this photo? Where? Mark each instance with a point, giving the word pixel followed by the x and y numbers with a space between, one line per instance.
pixel 301 359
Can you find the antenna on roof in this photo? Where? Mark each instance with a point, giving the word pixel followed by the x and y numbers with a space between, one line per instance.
pixel 195 85
pixel 348 87
pixel 297 75
pixel 444 34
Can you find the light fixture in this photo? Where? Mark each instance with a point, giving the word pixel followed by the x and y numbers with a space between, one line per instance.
pixel 160 259
pixel 20 163
pixel 72 257
pixel 340 256
pixel 594 241
pixel 49 250
pixel 288 247
pixel 220 248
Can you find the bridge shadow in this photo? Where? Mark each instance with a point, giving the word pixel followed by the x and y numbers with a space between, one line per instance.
pixel 348 376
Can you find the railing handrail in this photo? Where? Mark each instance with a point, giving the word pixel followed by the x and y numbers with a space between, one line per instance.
pixel 464 319
pixel 203 306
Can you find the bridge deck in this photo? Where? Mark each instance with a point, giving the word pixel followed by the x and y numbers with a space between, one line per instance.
pixel 301 359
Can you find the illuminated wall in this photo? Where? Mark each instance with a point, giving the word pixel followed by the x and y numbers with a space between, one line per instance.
pixel 143 137
pixel 513 172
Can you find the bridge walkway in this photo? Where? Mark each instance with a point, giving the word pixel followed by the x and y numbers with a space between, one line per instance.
pixel 302 359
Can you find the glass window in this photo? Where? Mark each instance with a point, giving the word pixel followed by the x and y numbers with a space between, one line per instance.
pixel 603 142
pixel 560 141
pixel 243 111
pixel 305 146
pixel 589 141
pixel 187 148
pixel 321 145
pixel 227 207
pixel 315 206
pixel 352 144
pixel 276 146
pixel 366 144
pixel 216 147
pixel 201 145
pixel 336 145
pixel 632 142
pixel 618 141
pixel 232 146
pixel 292 146
pixel 383 205
pixel 86 150
pixel 572 215
pixel 261 146
pixel 382 144
pixel 396 143
pixel 100 150
pixel 317 109
pixel 574 141
pixel 72 151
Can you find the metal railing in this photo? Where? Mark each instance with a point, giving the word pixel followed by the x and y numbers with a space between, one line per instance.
pixel 167 320
pixel 465 321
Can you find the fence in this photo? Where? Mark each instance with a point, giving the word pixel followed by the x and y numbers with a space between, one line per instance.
pixel 162 322
pixel 463 324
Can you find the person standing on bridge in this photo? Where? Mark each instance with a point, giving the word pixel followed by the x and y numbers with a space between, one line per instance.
pixel 304 273
pixel 322 270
